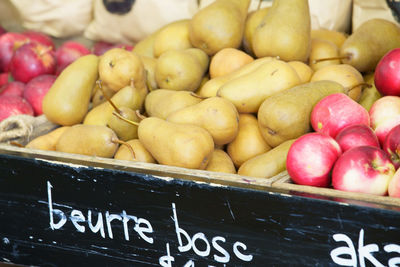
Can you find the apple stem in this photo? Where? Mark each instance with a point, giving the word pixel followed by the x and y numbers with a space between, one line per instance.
pixel 315 61
pixel 198 96
pixel 106 97
pixel 125 119
pixel 126 144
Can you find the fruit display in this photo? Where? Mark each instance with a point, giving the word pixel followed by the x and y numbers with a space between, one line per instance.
pixel 225 91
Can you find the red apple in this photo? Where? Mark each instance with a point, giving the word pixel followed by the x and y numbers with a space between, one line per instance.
pixel 310 159
pixel 4 78
pixel 124 46
pixel 384 108
pixel 67 53
pixel 2 30
pixel 32 60
pixel 36 89
pixel 356 135
pixel 391 145
pixel 14 105
pixel 40 38
pixel 13 88
pixel 383 129
pixel 394 185
pixel 387 73
pixel 336 111
pixel 363 169
pixel 100 47
pixel 9 42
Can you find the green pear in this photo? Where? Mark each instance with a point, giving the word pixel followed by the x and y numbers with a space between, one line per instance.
pixel 174 144
pixel 67 101
pixel 181 69
pixel 369 43
pixel 247 92
pixel 252 21
pixel 162 102
pixel 286 115
pixel 217 115
pixel 285 31
pixel 219 25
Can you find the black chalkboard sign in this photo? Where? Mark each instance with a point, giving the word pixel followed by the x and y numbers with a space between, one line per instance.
pixel 54 214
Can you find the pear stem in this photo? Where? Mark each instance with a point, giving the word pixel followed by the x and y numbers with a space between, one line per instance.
pixel 348 89
pixel 140 115
pixel 132 83
pixel 107 98
pixel 198 96
pixel 148 82
pixel 315 61
pixel 125 119
pixel 14 143
pixel 126 144
pixel 259 4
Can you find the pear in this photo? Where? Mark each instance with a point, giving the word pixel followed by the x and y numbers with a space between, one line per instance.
pixel 181 69
pixel 145 47
pixel 253 19
pixel 219 25
pixel 220 162
pixel 139 154
pixel 249 141
pixel 228 60
pixel 369 43
pixel 370 94
pixel 118 67
pixel 286 115
pixel 323 50
pixel 100 96
pixel 90 140
pixel 174 36
pixel 47 141
pixel 121 124
pixel 129 96
pixel 67 101
pixel 268 164
pixel 304 71
pixel 149 65
pixel 284 31
pixel 215 114
pixel 174 144
pixel 333 36
pixel 348 76
pixel 211 87
pixel 247 92
pixel 162 102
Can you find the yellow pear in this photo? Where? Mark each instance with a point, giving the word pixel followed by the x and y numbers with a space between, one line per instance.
pixel 333 36
pixel 47 141
pixel 303 70
pixel 249 141
pixel 174 36
pixel 284 31
pixel 348 76
pixel 149 65
pixel 162 102
pixel 181 69
pixel 268 164
pixel 228 60
pixel 217 115
pixel 181 145
pixel 220 162
pixel 322 50
pixel 119 67
pixel 247 92
pixel 211 87
pixel 253 19
pixel 67 101
pixel 219 25
pixel 140 153
pixel 370 94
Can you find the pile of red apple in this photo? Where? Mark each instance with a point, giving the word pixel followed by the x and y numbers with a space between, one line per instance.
pixel 350 148
pixel 30 63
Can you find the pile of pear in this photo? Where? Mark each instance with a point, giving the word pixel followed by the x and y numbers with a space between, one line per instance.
pixel 226 91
